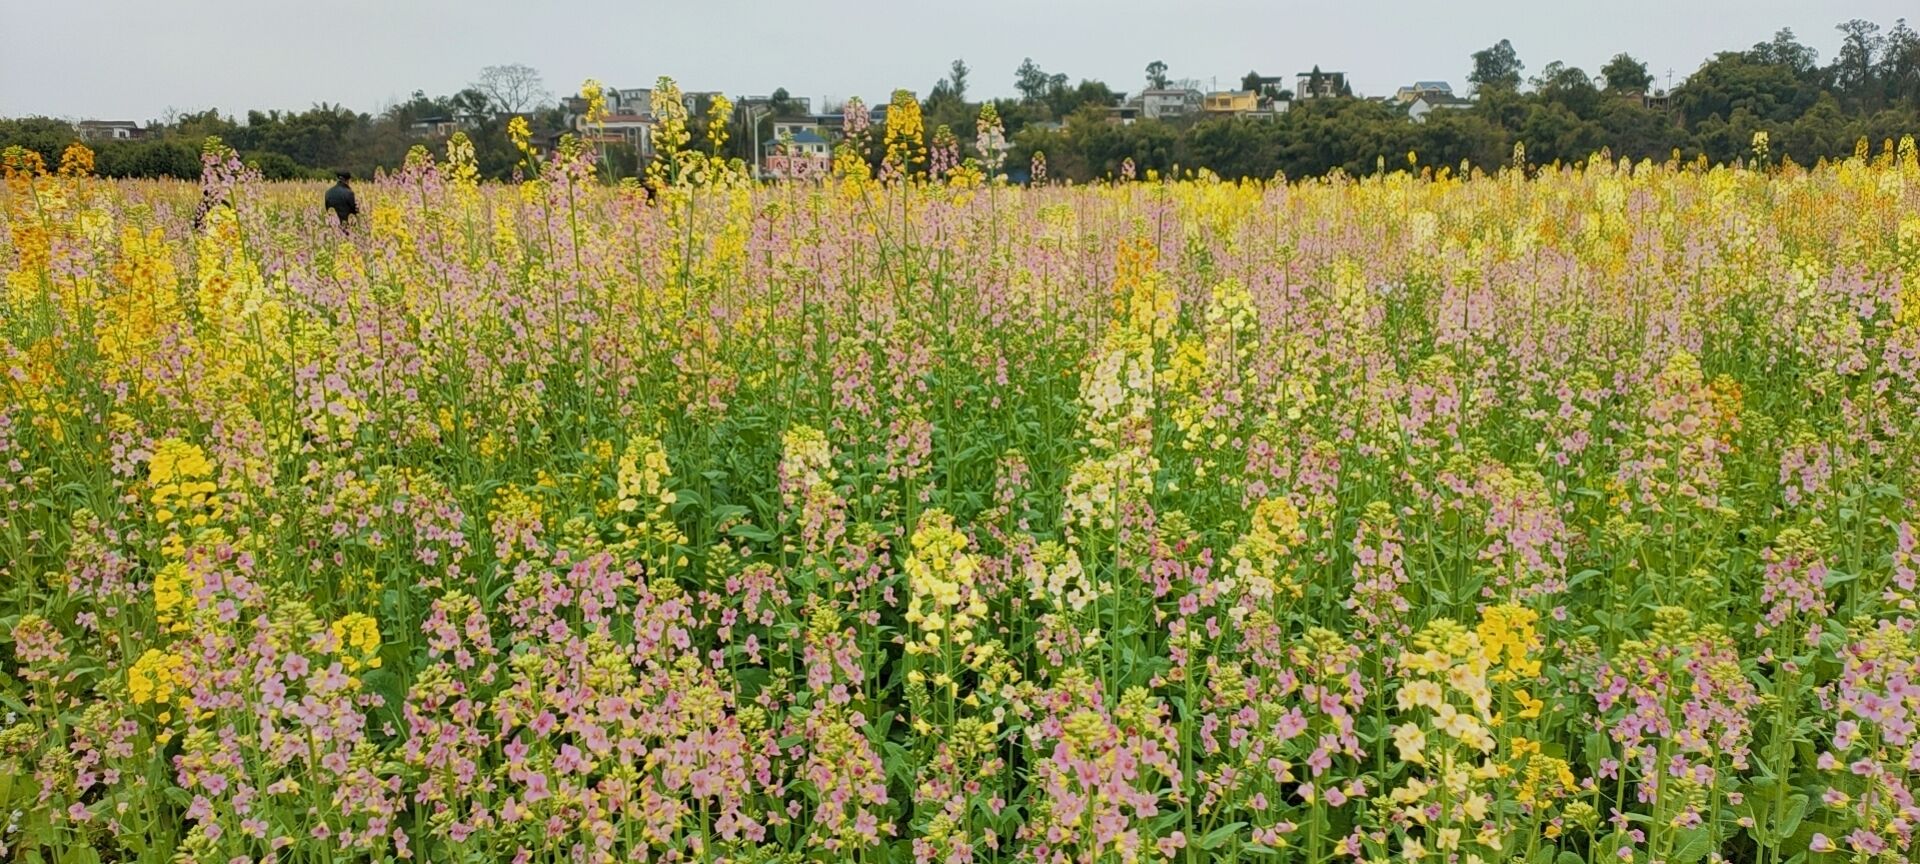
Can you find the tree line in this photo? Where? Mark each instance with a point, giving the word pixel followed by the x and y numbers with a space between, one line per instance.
pixel 1809 111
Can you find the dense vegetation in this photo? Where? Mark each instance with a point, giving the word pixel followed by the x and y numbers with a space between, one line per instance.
pixel 1556 515
pixel 1811 111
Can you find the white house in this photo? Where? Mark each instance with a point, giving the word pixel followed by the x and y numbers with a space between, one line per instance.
pixel 1427 104
pixel 1319 85
pixel 109 130
pixel 633 129
pixel 796 126
pixel 1417 89
pixel 1168 103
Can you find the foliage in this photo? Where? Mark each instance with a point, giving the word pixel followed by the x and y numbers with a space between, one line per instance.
pixel 1545 515
pixel 1809 111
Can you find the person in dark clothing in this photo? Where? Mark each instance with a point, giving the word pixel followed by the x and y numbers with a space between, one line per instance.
pixel 208 201
pixel 340 200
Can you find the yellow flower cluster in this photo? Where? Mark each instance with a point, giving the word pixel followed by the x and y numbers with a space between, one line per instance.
pixel 1508 638
pixel 718 113
pixel 1452 660
pixel 179 474
pixel 462 162
pixel 940 574
pixel 596 97
pixel 1142 298
pixel 670 133
pixel 1447 802
pixel 521 135
pixel 806 462
pixel 643 475
pixel 176 589
pixel 155 678
pixel 906 151
pixel 356 639
pixel 644 492
pixel 133 319
pixel 76 160
pixel 1440 804
pixel 1260 558
pixel 1054 573
pixel 1540 777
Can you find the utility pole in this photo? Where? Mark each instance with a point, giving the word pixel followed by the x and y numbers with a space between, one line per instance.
pixel 753 123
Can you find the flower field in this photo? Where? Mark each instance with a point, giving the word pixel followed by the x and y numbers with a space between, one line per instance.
pixel 1559 515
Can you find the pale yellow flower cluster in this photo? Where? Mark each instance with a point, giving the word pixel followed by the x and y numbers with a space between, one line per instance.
pixel 940 577
pixel 1054 574
pixel 1261 558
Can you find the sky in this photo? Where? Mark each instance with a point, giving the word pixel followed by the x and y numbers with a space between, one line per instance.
pixel 139 59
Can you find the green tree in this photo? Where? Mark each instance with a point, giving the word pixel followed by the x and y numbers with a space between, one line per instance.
pixel 1157 75
pixel 1496 68
pixel 1738 81
pixel 43 135
pixel 1063 100
pixel 1625 74
pixel 1900 65
pixel 1785 50
pixel 1855 70
pixel 957 79
pixel 1030 80
pixel 1568 86
pixel 1633 131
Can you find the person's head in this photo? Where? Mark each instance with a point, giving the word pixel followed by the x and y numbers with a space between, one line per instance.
pixel 343 176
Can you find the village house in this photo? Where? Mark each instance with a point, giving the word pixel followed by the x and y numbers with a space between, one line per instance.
pixel 109 130
pixel 797 126
pixel 1320 85
pixel 1232 102
pixel 1169 103
pixel 1428 103
pixel 1406 95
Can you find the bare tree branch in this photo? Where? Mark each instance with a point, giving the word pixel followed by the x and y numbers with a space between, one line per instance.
pixel 513 88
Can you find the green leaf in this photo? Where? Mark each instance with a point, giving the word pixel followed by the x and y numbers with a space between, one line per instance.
pixel 1220 835
pixel 1796 811
pixel 1692 845
pixel 748 532
pixel 80 854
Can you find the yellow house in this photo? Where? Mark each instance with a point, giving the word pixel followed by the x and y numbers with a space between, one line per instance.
pixel 1231 102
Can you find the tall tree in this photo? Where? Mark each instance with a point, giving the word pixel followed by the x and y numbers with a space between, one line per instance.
pixel 781 103
pixel 1900 64
pixel 1030 80
pixel 469 103
pixel 1854 69
pixel 1625 74
pixel 1568 86
pixel 1157 75
pixel 1496 68
pixel 957 79
pixel 1786 51
pixel 513 88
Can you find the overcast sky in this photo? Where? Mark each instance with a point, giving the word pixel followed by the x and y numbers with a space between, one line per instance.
pixel 135 59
